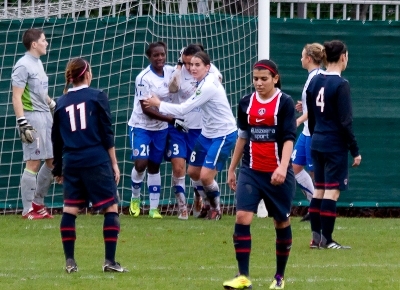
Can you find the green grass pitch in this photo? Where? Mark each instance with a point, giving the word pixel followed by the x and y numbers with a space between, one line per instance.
pixel 195 254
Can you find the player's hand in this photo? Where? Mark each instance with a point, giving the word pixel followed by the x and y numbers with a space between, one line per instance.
pixel 231 180
pixel 117 174
pixel 153 101
pixel 299 107
pixel 356 161
pixel 279 176
pixel 25 130
pixel 175 81
pixel 180 125
pixel 59 179
pixel 52 106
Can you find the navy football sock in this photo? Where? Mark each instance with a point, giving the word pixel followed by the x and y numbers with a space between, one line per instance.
pixel 315 218
pixel 283 246
pixel 242 244
pixel 328 218
pixel 111 229
pixel 68 234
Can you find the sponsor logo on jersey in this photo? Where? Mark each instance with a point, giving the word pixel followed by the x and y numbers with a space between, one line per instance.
pixel 259 120
pixel 198 92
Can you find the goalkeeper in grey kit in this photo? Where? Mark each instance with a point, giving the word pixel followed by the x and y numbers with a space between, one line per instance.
pixel 33 107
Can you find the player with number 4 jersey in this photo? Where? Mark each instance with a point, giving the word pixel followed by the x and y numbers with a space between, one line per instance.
pixel 330 119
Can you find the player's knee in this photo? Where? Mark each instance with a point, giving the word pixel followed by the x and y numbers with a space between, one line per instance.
pixel 140 165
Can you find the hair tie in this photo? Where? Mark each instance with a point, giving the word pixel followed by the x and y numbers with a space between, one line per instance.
pixel 267 67
pixel 83 70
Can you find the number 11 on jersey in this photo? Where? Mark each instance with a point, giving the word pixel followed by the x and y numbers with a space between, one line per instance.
pixel 82 116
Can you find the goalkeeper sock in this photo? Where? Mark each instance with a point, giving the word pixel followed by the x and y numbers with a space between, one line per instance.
pixel 137 180
pixel 44 180
pixel 179 187
pixel 28 188
pixel 111 227
pixel 154 185
pixel 242 244
pixel 306 185
pixel 68 234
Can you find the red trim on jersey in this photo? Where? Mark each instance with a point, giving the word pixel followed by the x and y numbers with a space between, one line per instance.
pixel 263 155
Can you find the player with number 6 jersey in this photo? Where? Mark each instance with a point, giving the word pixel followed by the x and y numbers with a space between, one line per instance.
pixel 180 145
pixel 218 133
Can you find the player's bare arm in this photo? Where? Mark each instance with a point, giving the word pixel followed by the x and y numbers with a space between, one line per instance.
pixel 150 108
pixel 300 120
pixel 17 101
pixel 236 156
pixel 114 164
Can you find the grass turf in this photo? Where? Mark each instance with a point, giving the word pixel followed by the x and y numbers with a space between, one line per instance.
pixel 195 254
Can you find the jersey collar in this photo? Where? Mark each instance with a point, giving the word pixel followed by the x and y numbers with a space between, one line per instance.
pixel 74 89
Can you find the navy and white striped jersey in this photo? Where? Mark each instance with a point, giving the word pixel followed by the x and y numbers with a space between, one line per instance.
pixel 82 130
pixel 330 114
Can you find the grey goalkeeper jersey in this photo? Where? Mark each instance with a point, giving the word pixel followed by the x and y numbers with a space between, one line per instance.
pixel 28 73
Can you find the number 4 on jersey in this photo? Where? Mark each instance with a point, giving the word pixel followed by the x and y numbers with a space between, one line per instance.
pixel 320 99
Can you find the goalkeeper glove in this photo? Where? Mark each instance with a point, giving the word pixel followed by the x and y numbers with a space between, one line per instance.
pixel 179 125
pixel 52 106
pixel 180 61
pixel 25 130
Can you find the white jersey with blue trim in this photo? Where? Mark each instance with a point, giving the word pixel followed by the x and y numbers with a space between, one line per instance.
pixel 147 83
pixel 311 74
pixel 210 96
pixel 187 88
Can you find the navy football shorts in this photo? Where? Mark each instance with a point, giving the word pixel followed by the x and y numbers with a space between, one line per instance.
pixel 330 169
pixel 252 186
pixel 95 185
